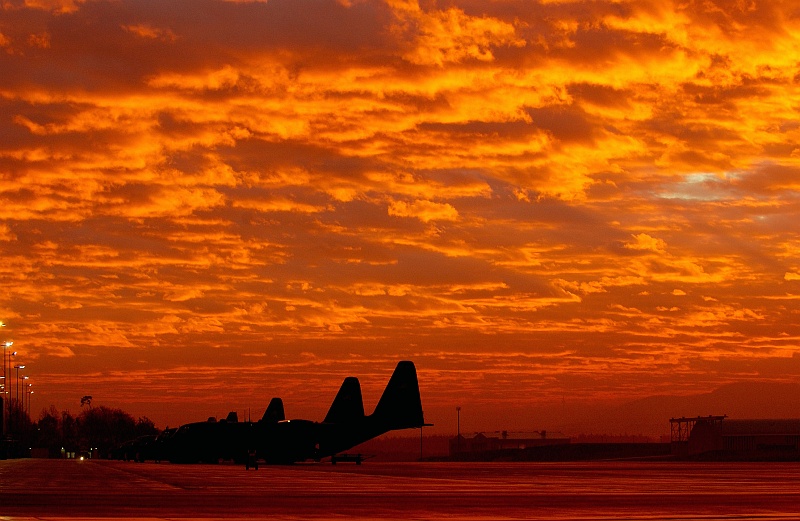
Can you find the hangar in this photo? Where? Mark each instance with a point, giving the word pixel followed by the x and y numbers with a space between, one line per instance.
pixel 718 436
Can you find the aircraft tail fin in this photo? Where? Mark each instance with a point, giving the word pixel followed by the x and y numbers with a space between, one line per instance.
pixel 274 412
pixel 348 405
pixel 400 406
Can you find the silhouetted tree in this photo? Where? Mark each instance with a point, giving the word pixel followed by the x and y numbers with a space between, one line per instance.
pixel 145 427
pixel 104 428
pixel 19 423
pixel 86 400
pixel 100 428
pixel 49 433
pixel 69 431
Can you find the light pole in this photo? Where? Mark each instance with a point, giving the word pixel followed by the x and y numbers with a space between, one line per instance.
pixel 8 377
pixel 6 345
pixel 7 369
pixel 16 381
pixel 458 427
pixel 6 372
pixel 22 391
pixel 16 394
pixel 6 382
pixel 28 393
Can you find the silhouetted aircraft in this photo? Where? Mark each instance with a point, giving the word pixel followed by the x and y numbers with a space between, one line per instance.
pixel 278 440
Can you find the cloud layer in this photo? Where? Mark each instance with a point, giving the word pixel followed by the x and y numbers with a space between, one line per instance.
pixel 540 199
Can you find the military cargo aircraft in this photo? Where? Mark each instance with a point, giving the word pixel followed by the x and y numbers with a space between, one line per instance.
pixel 228 439
pixel 275 439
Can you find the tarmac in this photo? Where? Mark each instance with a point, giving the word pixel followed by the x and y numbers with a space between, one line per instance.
pixel 71 489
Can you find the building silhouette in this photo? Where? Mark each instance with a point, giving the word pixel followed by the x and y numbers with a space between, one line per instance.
pixel 481 443
pixel 722 438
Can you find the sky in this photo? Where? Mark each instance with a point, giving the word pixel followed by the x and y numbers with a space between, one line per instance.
pixel 208 203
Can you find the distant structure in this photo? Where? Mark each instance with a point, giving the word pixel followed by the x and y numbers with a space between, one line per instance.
pixel 722 438
pixel 480 443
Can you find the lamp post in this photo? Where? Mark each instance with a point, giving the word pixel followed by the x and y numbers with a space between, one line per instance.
pixel 6 372
pixel 22 388
pixel 3 384
pixel 6 345
pixel 27 398
pixel 6 381
pixel 458 427
pixel 6 375
pixel 7 368
pixel 17 367
pixel 16 381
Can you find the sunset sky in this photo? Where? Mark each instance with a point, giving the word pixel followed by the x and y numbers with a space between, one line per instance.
pixel 208 203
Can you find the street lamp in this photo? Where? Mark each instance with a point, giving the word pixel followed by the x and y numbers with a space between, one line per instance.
pixel 8 371
pixel 3 389
pixel 6 375
pixel 16 381
pixel 458 427
pixel 22 391
pixel 6 379
pixel 7 368
pixel 28 393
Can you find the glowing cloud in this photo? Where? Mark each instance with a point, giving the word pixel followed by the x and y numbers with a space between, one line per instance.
pixel 645 242
pixel 425 211
pixel 231 200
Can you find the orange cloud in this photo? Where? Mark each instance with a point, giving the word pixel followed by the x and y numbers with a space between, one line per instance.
pixel 644 242
pixel 425 211
pixel 149 32
pixel 58 6
pixel 539 198
pixel 440 37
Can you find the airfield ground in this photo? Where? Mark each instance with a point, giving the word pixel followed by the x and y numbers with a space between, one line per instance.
pixel 70 489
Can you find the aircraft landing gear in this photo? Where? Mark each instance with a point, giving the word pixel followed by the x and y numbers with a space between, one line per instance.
pixel 252 460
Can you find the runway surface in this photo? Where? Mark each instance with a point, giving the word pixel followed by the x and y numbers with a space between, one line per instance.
pixel 70 489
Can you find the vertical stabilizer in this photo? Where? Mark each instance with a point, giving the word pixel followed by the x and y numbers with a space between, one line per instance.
pixel 400 406
pixel 274 412
pixel 348 406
